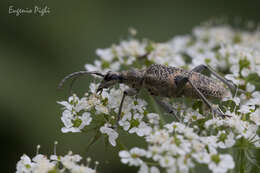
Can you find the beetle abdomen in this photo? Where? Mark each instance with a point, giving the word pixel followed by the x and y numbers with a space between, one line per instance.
pixel 160 80
pixel 210 88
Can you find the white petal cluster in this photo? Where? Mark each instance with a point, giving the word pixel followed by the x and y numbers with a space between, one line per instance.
pixel 176 148
pixel 221 163
pixel 79 113
pixel 112 134
pixel 69 163
pixel 123 54
pixel 133 156
pixel 72 118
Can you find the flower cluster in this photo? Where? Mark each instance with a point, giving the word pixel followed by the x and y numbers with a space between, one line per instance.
pixel 197 137
pixel 100 111
pixel 40 163
pixel 177 148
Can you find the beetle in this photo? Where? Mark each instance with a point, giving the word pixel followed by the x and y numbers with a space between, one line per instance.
pixel 166 81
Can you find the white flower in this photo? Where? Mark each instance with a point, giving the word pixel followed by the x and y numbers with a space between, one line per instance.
pixel 232 78
pixel 184 164
pixel 172 169
pixel 112 134
pixel 132 48
pixel 255 117
pixel 132 157
pixel 24 165
pixel 201 156
pixel 154 170
pixel 93 87
pixel 101 109
pixel 250 87
pixel 221 163
pixel 67 119
pixel 74 104
pixel 245 72
pixel 82 169
pixel 236 100
pixel 244 109
pixel 69 161
pixel 143 168
pixel 125 124
pixel 86 119
pixel 96 67
pixel 66 104
pixel 225 140
pixel 42 165
pixel 38 158
pixel 153 118
pixel 255 99
pixel 167 161
pixel 105 54
pixel 142 130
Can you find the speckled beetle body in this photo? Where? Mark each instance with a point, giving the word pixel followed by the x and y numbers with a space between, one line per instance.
pixel 166 81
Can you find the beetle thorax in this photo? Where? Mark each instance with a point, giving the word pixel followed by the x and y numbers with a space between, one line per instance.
pixel 133 78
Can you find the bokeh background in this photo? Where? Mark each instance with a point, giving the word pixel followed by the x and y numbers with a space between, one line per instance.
pixel 36 52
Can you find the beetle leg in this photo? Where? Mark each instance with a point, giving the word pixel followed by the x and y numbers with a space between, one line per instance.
pixel 230 84
pixel 127 92
pixel 167 107
pixel 180 83
pixel 182 80
pixel 214 109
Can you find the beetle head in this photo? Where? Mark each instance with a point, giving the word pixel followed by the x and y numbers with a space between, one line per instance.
pixel 110 79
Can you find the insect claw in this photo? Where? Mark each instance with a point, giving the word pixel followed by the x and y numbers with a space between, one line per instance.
pixel 228 116
pixel 220 113
pixel 99 90
pixel 115 126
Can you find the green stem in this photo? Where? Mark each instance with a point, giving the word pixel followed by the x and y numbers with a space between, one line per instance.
pixel 157 109
pixel 152 163
pixel 242 161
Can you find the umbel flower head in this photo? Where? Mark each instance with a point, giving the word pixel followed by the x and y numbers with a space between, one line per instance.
pixel 40 163
pixel 196 137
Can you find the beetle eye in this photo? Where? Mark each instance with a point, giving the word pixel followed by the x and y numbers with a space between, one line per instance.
pixel 109 77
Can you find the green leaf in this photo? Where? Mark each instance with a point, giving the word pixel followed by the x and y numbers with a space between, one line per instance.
pixel 149 47
pixel 229 104
pixel 148 62
pixel 244 63
pixel 198 105
pixel 105 101
pixel 216 48
pixel 254 79
pixel 54 170
pixel 187 58
pixel 93 139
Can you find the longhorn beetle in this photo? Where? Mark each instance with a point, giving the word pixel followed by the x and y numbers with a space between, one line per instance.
pixel 165 81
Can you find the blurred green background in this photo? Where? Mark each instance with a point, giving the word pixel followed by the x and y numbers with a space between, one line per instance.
pixel 36 52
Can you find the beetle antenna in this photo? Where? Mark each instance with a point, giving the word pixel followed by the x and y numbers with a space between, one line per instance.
pixel 75 75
